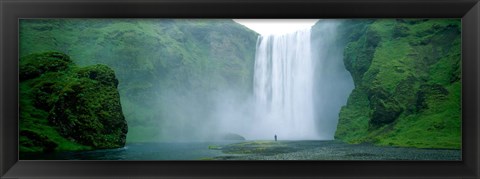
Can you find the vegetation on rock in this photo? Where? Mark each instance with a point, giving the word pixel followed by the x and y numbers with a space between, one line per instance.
pixel 407 75
pixel 65 107
pixel 168 69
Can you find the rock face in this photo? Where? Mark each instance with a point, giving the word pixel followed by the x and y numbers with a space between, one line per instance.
pixel 64 107
pixel 171 70
pixel 407 83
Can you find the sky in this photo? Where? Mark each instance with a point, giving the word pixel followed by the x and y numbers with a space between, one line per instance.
pixel 276 26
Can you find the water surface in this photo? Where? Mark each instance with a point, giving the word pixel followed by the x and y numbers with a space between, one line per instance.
pixel 254 150
pixel 140 151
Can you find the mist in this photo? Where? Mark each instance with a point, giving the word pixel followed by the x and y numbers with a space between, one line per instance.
pixel 299 84
pixel 205 116
pixel 333 83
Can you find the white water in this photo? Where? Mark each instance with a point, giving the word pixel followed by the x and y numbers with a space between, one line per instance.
pixel 283 86
pixel 300 84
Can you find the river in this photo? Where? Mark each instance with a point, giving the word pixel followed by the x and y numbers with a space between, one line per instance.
pixel 254 150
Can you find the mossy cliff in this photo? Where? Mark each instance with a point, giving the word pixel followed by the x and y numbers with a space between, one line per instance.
pixel 65 107
pixel 407 76
pixel 169 69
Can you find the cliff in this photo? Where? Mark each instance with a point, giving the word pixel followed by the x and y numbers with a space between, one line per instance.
pixel 407 76
pixel 66 107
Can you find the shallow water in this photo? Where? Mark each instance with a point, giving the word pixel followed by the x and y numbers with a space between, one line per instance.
pixel 253 150
pixel 140 151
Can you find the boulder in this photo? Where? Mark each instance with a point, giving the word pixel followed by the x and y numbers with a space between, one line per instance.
pixel 232 136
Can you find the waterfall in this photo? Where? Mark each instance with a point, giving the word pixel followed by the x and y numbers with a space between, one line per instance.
pixel 300 84
pixel 283 86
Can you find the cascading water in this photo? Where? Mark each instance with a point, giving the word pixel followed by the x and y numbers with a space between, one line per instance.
pixel 283 86
pixel 300 84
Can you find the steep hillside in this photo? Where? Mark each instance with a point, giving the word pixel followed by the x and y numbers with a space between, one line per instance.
pixel 407 75
pixel 163 65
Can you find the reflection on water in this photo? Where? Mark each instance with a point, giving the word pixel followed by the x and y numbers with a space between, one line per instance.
pixel 140 151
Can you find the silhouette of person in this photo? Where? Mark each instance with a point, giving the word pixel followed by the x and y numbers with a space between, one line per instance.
pixel 275 137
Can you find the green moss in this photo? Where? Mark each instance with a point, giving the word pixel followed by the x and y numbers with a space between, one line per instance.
pixel 100 73
pixel 34 65
pixel 69 109
pixel 410 94
pixel 214 147
pixel 151 58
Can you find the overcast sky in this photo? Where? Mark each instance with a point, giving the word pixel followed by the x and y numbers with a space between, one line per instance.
pixel 276 26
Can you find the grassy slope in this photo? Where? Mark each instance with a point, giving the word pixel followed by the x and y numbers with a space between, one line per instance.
pixel 400 98
pixel 149 56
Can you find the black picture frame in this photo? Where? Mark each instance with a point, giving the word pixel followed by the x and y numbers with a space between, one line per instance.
pixel 12 10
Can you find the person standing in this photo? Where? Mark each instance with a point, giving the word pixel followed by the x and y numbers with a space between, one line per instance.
pixel 275 137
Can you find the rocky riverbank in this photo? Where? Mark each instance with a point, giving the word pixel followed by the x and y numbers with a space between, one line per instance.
pixel 329 150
